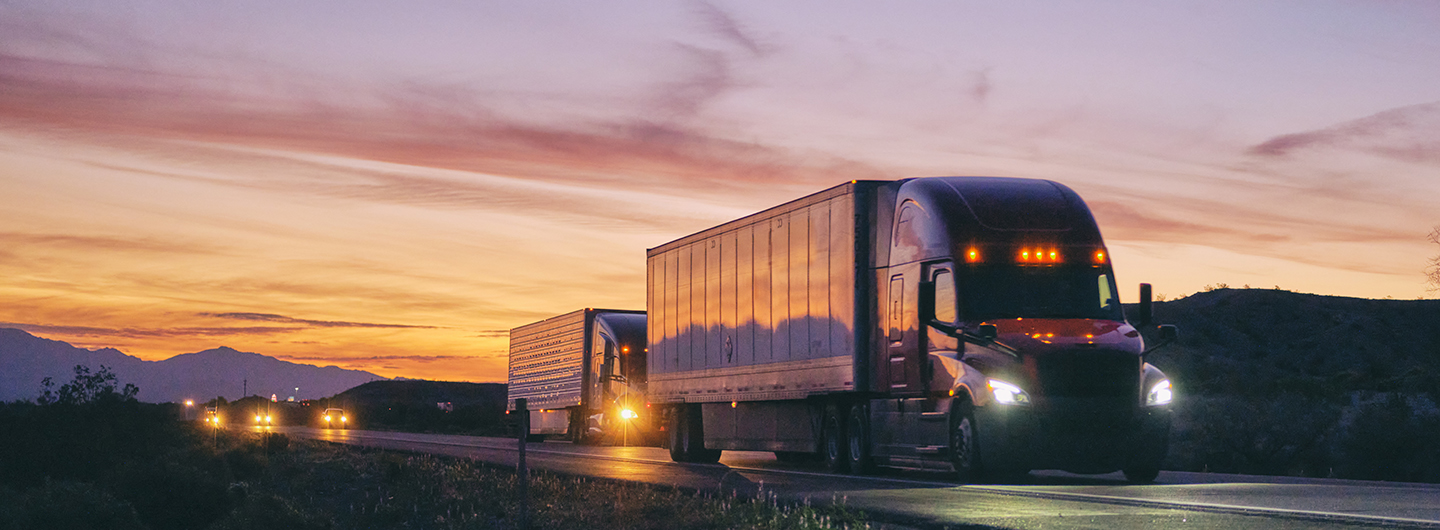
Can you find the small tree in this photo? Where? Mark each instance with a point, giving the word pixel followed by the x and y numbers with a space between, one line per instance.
pixel 86 388
pixel 1432 272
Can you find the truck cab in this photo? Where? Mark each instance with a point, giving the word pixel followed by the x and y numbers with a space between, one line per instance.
pixel 1003 342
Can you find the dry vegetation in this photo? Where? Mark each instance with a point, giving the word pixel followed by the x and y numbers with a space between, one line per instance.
pixel 105 461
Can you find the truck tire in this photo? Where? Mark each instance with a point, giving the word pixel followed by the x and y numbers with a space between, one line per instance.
pixel 687 437
pixel 857 431
pixel 964 449
pixel 678 435
pixel 833 448
pixel 698 453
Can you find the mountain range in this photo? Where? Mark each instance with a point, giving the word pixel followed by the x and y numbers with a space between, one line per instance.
pixel 25 360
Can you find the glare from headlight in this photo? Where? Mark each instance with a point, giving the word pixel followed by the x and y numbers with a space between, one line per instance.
pixel 1160 394
pixel 627 414
pixel 327 417
pixel 343 420
pixel 1008 394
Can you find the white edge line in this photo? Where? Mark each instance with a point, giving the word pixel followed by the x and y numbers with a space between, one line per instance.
pixel 1002 490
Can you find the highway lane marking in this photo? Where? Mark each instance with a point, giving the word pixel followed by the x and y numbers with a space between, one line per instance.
pixel 1304 515
pixel 1286 513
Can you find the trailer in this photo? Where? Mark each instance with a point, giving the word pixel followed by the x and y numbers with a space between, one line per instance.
pixel 583 374
pixel 969 323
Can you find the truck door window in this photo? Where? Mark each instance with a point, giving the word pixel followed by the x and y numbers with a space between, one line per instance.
pixel 1107 296
pixel 897 307
pixel 944 310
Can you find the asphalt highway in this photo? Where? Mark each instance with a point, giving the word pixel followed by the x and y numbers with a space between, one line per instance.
pixel 921 499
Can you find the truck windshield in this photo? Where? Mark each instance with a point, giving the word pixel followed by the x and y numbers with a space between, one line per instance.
pixel 991 292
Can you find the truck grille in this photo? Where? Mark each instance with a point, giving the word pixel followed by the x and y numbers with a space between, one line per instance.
pixel 1089 374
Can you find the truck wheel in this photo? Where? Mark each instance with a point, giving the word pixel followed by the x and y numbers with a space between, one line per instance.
pixel 858 440
pixel 695 438
pixel 834 448
pixel 678 436
pixel 964 451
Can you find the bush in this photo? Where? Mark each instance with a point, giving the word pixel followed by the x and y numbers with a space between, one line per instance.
pixel 1391 438
pixel 65 505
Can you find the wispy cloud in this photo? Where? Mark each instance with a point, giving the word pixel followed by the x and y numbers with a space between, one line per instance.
pixel 93 243
pixel 414 123
pixel 361 359
pixel 267 317
pixel 1410 133
pixel 150 333
pixel 723 24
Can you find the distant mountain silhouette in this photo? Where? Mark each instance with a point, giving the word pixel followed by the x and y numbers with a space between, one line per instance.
pixel 26 359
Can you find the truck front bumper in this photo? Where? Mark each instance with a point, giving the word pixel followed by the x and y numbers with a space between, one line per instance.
pixel 1077 435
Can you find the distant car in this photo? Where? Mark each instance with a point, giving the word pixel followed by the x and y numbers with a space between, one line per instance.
pixel 335 418
pixel 264 418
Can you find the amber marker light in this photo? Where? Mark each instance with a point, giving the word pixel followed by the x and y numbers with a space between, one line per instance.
pixel 972 255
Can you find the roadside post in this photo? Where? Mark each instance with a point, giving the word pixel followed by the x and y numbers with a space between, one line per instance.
pixel 523 474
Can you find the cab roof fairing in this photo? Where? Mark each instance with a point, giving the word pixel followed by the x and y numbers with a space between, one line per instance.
pixel 988 211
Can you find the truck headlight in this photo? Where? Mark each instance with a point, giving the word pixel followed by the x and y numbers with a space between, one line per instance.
pixel 1008 394
pixel 1160 394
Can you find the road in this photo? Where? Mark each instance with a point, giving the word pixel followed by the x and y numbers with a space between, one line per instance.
pixel 911 498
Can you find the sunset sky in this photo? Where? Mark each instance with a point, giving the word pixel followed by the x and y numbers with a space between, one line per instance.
pixel 392 186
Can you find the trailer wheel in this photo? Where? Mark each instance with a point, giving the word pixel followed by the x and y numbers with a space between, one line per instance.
pixel 687 439
pixel 858 440
pixel 834 450
pixel 695 438
pixel 964 451
pixel 678 435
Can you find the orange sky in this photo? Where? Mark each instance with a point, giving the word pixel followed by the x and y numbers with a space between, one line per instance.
pixel 391 189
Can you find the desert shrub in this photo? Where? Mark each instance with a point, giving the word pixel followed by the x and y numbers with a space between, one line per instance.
pixel 1284 434
pixel 268 512
pixel 172 495
pixel 66 505
pixel 1392 437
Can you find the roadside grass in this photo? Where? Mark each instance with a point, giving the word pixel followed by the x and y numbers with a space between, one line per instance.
pixel 311 484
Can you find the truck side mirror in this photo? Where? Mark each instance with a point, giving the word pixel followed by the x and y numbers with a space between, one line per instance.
pixel 1169 333
pixel 988 332
pixel 1147 311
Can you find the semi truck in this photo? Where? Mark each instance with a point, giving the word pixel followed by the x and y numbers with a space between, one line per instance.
pixel 966 323
pixel 583 374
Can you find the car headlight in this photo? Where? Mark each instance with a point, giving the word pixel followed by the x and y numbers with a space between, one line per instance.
pixel 627 414
pixel 1008 394
pixel 343 420
pixel 1160 394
